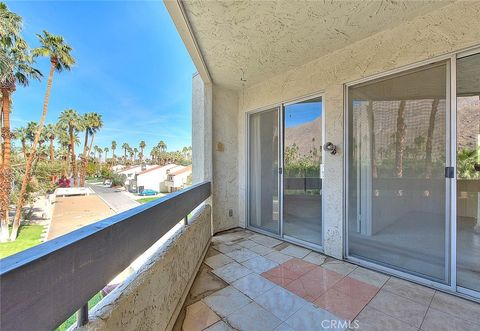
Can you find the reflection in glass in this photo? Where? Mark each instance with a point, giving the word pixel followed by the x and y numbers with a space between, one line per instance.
pixel 396 183
pixel 263 171
pixel 468 172
pixel 302 203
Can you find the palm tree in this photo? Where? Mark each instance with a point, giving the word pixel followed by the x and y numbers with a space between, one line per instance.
pixel 135 151
pixel 15 68
pixel 429 143
pixel 92 122
pixel 114 147
pixel 125 147
pixel 58 51
pixel 50 132
pixel 71 121
pixel 142 146
pixel 400 140
pixel 106 152
pixel 22 135
pixel 130 152
pixel 162 146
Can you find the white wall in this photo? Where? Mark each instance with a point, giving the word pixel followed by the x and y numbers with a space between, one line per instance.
pixel 451 28
pixel 152 179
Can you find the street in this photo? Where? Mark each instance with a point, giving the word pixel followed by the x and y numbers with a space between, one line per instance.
pixel 116 199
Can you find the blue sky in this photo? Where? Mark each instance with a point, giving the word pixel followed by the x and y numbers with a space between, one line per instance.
pixel 301 113
pixel 132 68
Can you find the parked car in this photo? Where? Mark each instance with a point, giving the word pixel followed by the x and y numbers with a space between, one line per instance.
pixel 148 192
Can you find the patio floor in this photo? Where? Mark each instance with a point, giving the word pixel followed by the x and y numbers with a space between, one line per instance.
pixel 251 282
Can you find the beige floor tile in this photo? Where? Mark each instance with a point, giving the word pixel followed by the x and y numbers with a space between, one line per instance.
pixel 280 302
pixel 311 318
pixel 226 248
pixel 261 250
pixel 460 308
pixel 241 255
pixel 295 251
pixel 198 317
pixel 265 241
pixel 315 258
pixel 219 326
pixel 205 283
pixel 371 319
pixel 226 301
pixel 368 276
pixel 412 291
pixel 259 264
pixel 399 307
pixel 253 285
pixel 247 243
pixel 231 272
pixel 440 321
pixel 217 261
pixel 341 267
pixel 278 257
pixel 253 317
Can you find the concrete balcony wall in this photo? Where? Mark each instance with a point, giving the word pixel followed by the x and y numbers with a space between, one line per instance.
pixel 225 160
pixel 151 298
pixel 445 30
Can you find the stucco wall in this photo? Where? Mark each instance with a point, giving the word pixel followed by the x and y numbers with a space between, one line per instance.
pixel 150 299
pixel 448 29
pixel 201 130
pixel 225 162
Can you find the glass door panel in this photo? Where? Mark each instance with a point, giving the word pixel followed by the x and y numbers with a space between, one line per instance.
pixel 263 176
pixel 302 185
pixel 468 172
pixel 396 172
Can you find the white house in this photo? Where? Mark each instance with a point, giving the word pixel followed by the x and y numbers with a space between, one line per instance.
pixel 150 178
pixel 177 178
pixel 130 172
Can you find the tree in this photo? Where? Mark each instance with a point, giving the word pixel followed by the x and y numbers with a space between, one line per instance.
pixel 71 121
pixel 142 146
pixel 135 151
pixel 92 122
pixel 114 147
pixel 125 148
pixel 22 135
pixel 58 51
pixel 15 68
pixel 429 143
pixel 162 146
pixel 106 152
pixel 400 140
pixel 50 132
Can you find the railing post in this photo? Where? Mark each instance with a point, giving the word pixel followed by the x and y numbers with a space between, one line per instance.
pixel 82 315
pixel 185 220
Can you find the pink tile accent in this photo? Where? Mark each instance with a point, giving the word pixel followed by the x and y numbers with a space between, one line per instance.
pixel 314 283
pixel 341 304
pixel 356 289
pixel 287 272
pixel 306 288
pixel 328 277
pixel 280 275
pixel 298 266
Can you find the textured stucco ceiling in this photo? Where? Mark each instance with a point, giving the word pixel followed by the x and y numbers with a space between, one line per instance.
pixel 245 42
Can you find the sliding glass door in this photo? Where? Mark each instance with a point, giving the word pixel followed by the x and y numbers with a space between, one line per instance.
pixel 302 158
pixel 284 161
pixel 397 154
pixel 468 172
pixel 263 170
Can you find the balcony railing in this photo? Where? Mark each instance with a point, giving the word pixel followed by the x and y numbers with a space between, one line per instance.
pixel 43 286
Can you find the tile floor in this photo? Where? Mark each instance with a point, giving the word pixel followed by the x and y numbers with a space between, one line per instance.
pixel 253 282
